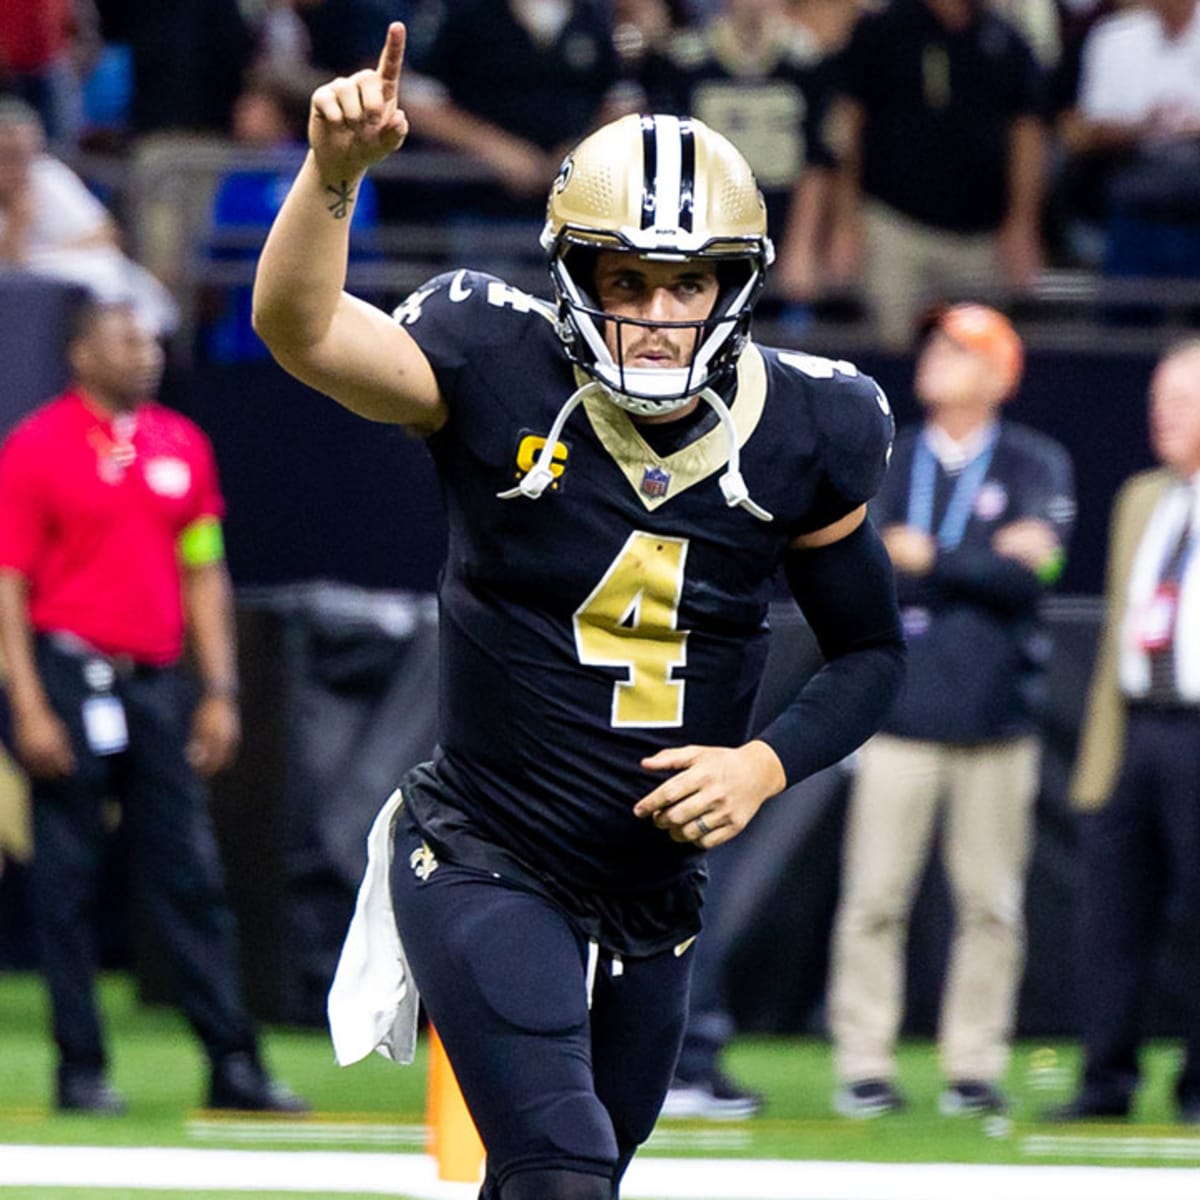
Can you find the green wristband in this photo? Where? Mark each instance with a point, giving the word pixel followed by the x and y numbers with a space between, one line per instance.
pixel 202 543
pixel 1052 568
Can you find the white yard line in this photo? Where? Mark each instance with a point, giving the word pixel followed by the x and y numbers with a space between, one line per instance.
pixel 414 1175
pixel 1084 1145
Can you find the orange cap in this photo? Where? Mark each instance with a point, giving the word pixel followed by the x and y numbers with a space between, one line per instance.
pixel 985 331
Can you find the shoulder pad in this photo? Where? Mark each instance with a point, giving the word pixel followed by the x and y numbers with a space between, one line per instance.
pixel 853 419
pixel 461 296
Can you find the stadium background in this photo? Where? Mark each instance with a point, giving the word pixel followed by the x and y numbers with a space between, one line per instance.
pixel 334 535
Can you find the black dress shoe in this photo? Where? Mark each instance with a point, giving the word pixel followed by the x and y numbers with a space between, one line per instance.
pixel 1088 1108
pixel 239 1082
pixel 87 1091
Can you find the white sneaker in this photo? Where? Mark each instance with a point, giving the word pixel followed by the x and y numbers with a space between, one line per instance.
pixel 716 1098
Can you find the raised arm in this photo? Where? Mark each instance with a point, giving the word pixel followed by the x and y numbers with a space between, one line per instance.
pixel 316 330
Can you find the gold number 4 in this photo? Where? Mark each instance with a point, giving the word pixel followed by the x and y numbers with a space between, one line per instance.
pixel 629 621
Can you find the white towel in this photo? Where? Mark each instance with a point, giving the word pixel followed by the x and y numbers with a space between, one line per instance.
pixel 373 1001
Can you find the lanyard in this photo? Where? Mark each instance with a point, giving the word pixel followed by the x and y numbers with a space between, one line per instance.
pixel 962 499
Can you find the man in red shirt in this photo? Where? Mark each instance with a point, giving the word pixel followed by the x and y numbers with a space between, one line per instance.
pixel 110 553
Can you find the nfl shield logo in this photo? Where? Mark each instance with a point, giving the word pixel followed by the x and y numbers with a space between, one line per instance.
pixel 656 481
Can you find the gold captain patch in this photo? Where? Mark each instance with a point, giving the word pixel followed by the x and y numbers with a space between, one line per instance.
pixel 528 451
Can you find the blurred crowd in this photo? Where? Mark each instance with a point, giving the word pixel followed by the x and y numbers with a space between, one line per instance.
pixel 914 150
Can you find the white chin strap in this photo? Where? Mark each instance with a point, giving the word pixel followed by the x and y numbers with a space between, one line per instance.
pixel 733 487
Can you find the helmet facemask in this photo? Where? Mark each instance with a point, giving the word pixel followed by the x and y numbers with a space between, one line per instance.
pixel 717 339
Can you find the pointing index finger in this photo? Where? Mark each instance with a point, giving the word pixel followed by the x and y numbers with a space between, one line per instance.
pixel 391 57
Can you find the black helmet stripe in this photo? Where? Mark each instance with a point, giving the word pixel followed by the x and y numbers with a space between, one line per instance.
pixel 687 175
pixel 649 172
pixel 668 173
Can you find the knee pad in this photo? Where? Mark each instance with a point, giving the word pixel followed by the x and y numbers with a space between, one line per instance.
pixel 556 1185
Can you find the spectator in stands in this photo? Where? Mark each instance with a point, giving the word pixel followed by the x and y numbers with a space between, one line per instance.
pixel 51 224
pixel 1138 768
pixel 1039 23
pixel 344 35
pixel 513 84
pixel 939 131
pixel 110 552
pixel 749 75
pixel 975 513
pixel 642 27
pixel 824 25
pixel 1137 115
pixel 45 48
pixel 189 58
pixel 1075 213
pixel 281 38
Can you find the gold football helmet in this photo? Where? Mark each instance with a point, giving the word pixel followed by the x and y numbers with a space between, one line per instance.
pixel 669 189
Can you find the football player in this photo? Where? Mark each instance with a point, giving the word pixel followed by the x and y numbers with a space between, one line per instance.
pixel 624 471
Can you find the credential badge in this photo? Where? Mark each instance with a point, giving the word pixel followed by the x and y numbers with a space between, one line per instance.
pixel 170 477
pixel 991 501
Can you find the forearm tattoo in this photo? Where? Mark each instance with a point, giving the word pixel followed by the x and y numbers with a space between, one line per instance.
pixel 343 197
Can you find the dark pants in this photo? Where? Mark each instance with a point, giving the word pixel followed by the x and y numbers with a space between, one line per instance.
pixel 502 973
pixel 173 849
pixel 710 1025
pixel 1141 879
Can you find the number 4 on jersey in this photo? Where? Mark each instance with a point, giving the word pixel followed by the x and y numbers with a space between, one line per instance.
pixel 629 621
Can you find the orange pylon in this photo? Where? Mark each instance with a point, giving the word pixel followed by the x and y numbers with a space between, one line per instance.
pixel 453 1139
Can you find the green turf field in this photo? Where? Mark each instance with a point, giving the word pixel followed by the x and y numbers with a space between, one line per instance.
pixel 376 1106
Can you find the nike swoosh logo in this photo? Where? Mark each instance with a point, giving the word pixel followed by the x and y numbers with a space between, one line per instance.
pixel 684 946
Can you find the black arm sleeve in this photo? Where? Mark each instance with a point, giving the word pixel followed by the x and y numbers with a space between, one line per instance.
pixel 847 593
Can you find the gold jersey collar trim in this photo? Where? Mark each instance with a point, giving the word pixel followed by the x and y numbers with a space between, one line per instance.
pixel 691 464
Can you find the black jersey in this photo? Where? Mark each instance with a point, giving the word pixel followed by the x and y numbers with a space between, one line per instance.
pixel 625 610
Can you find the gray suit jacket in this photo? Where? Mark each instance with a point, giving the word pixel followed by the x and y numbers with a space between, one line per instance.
pixel 1103 734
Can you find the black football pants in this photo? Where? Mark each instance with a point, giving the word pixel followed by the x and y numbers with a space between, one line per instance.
pixel 503 975
pixel 173 851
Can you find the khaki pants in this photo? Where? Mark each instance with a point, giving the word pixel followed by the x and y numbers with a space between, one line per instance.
pixel 910 265
pixel 987 792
